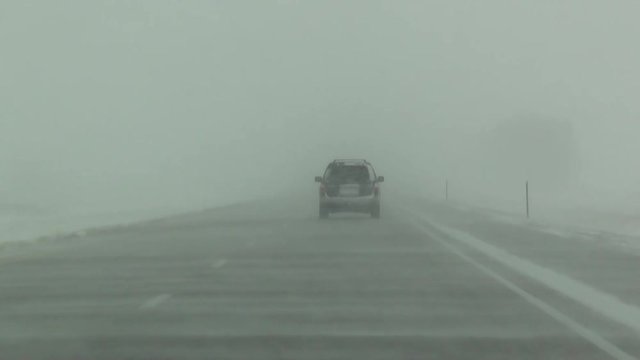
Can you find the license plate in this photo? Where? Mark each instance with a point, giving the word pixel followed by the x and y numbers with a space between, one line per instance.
pixel 349 191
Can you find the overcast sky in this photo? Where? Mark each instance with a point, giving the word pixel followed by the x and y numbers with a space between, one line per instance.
pixel 178 104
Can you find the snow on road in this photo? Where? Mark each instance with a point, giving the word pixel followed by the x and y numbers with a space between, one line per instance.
pixel 603 303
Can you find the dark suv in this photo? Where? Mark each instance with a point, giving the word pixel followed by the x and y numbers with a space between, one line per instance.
pixel 349 185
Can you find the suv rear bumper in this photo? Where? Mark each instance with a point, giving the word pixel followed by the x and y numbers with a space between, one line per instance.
pixel 355 204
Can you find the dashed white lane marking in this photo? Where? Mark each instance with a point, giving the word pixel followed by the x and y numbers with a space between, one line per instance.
pixel 155 301
pixel 586 333
pixel 218 264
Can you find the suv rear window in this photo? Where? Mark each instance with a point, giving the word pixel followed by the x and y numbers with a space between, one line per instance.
pixel 347 174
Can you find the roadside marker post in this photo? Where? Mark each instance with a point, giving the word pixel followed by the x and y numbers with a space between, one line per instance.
pixel 527 196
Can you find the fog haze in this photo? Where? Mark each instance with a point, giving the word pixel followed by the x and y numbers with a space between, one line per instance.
pixel 175 105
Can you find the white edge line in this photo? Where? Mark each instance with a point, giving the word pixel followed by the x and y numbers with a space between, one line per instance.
pixel 589 335
pixel 602 303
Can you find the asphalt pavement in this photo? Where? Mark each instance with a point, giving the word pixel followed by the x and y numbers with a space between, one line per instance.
pixel 268 280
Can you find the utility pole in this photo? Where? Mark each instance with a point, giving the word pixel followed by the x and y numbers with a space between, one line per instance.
pixel 527 197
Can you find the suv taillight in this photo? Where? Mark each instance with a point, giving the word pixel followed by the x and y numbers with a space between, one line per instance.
pixel 376 190
pixel 323 191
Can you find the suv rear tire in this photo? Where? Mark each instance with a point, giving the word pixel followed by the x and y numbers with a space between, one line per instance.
pixel 375 211
pixel 323 212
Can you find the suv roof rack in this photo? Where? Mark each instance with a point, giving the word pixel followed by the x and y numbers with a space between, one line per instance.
pixel 351 160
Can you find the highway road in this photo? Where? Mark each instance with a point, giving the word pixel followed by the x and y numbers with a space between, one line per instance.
pixel 268 280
